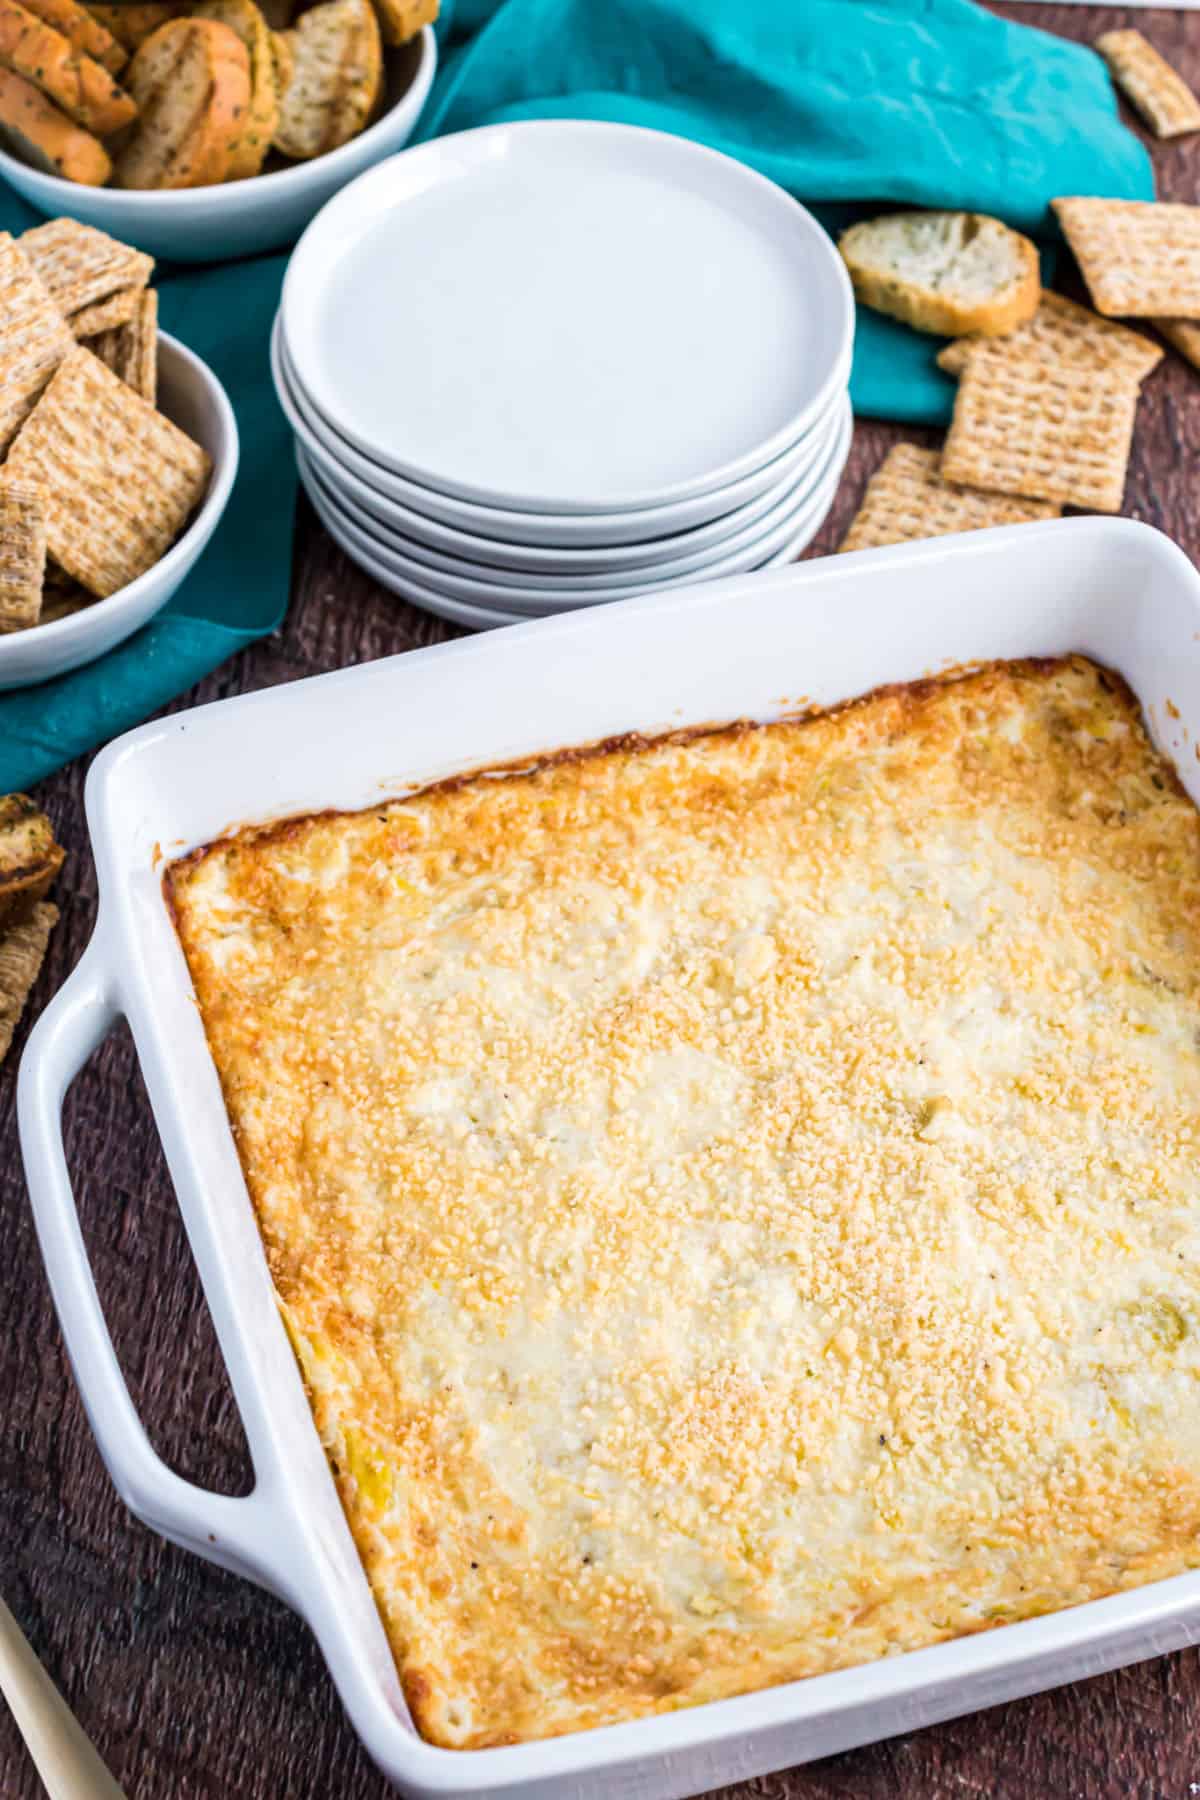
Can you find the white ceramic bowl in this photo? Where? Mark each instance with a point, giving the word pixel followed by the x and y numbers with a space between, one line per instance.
pixel 191 395
pixel 239 218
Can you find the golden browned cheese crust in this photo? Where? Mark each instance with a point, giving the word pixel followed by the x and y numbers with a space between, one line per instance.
pixel 734 1199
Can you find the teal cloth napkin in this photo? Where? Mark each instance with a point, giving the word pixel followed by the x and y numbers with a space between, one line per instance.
pixel 846 103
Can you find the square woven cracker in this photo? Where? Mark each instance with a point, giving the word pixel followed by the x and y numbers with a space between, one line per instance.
pixel 1162 96
pixel 1184 336
pixel 1139 257
pixel 907 499
pixel 1061 330
pixel 105 315
pixel 33 340
pixel 1049 433
pixel 22 952
pixel 119 479
pixel 131 351
pixel 22 554
pixel 80 265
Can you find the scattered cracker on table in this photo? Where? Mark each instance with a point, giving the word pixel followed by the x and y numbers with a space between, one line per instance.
pixel 1183 335
pixel 1160 94
pixel 105 315
pixel 1045 432
pixel 1138 257
pixel 34 340
pixel 1061 330
pixel 22 553
pixel 29 856
pixel 119 479
pixel 131 350
pixel 81 265
pixel 22 952
pixel 907 499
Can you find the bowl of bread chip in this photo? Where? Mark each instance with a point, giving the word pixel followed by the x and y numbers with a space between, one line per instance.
pixel 118 450
pixel 205 129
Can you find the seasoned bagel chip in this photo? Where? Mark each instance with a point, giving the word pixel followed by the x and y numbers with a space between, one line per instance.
pixel 336 78
pixel 191 81
pixel 41 134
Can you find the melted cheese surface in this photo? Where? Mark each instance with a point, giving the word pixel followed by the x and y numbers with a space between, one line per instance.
pixel 734 1200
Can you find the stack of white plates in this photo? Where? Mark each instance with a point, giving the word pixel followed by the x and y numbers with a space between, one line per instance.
pixel 555 363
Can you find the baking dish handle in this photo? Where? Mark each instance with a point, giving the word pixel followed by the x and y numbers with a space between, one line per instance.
pixel 239 1534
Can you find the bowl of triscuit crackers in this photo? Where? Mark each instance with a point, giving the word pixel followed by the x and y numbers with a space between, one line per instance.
pixel 118 450
pixel 205 129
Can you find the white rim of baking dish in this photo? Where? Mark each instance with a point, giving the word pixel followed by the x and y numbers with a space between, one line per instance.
pixel 159 207
pixel 272 1535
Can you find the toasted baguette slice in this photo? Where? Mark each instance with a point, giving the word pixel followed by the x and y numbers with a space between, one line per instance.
pixel 191 80
pixel 284 58
pixel 132 24
pixel 41 133
pixel 82 31
pixel 336 78
pixel 29 856
pixel 262 114
pixel 950 273
pixel 82 87
pixel 400 20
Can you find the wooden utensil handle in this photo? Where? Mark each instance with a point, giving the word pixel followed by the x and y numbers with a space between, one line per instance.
pixel 64 1757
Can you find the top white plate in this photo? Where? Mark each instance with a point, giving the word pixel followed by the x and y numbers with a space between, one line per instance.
pixel 567 316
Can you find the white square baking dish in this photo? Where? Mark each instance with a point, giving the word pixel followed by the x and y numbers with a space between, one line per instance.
pixel 755 646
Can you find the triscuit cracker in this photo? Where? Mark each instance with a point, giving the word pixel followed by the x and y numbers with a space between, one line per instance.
pixel 119 479
pixel 1138 257
pixel 1183 335
pixel 22 554
pixel 81 265
pixel 1059 331
pixel 1161 95
pixel 1044 431
pixel 62 596
pixel 34 339
pixel 22 952
pixel 105 315
pixel 131 350
pixel 907 499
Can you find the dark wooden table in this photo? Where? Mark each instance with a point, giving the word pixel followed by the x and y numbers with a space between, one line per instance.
pixel 195 1684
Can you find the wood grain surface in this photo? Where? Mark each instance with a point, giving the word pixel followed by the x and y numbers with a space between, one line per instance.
pixel 195 1684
